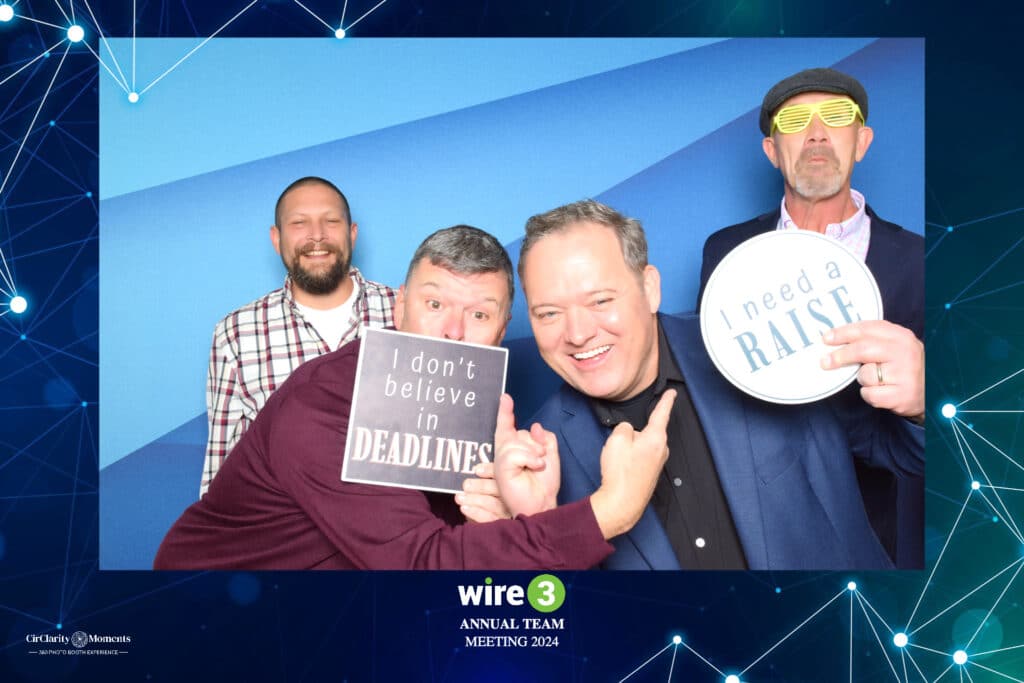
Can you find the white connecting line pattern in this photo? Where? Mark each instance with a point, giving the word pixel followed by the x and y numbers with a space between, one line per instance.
pixel 906 658
pixel 7 285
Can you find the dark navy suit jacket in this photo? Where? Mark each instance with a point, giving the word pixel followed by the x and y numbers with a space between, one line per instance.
pixel 896 258
pixel 787 471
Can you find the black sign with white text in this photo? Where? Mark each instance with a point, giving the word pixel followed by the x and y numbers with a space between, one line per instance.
pixel 423 411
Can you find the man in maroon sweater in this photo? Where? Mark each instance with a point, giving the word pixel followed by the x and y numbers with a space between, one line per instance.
pixel 279 503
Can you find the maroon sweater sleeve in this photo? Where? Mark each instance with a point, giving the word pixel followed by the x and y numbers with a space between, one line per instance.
pixel 380 527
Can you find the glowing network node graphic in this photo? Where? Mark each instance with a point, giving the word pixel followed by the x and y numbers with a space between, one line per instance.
pixel 339 34
pixel 975 485
pixel 900 639
pixel 76 33
pixel 960 657
pixel 6 12
pixel 676 640
pixel 18 304
pixel 133 97
pixel 948 409
pixel 852 586
pixel 732 678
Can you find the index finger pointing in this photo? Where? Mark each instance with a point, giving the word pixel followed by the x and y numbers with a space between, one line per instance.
pixel 659 416
pixel 506 426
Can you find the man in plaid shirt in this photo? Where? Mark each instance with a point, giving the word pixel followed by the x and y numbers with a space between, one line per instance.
pixel 324 304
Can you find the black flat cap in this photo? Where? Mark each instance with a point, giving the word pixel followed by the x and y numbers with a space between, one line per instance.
pixel 811 80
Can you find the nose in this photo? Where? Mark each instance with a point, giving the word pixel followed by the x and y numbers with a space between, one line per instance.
pixel 454 326
pixel 579 326
pixel 317 230
pixel 817 131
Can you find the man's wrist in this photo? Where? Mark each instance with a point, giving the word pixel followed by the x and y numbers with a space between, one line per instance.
pixel 608 514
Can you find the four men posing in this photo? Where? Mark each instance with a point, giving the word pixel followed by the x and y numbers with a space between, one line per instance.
pixel 746 484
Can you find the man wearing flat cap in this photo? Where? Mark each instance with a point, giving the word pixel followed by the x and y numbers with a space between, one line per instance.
pixel 815 130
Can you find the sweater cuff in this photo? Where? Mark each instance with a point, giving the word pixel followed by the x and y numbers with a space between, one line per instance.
pixel 575 535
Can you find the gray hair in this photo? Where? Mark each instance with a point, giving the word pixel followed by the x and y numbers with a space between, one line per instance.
pixel 465 250
pixel 629 231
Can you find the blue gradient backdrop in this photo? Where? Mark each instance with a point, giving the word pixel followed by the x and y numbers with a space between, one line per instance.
pixel 672 140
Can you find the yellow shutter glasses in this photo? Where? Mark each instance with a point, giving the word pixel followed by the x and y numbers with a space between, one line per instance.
pixel 833 113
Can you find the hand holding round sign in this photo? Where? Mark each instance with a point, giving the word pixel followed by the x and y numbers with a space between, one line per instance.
pixel 768 303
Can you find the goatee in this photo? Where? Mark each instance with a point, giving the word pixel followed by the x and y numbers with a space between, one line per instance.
pixel 817 185
pixel 323 281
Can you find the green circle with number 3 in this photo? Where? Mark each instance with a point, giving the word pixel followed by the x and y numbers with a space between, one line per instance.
pixel 546 593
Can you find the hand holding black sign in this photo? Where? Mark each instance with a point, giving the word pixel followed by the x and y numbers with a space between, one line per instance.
pixel 526 464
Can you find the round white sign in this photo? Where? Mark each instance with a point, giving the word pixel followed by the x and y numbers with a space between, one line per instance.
pixel 769 301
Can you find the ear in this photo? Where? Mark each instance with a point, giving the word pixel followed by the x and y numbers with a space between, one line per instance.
pixel 768 145
pixel 275 238
pixel 353 232
pixel 399 311
pixel 864 137
pixel 652 287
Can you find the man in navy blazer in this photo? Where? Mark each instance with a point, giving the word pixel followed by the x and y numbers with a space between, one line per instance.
pixel 816 163
pixel 748 484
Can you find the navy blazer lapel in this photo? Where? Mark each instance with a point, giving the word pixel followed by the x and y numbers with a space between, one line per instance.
pixel 882 260
pixel 584 438
pixel 582 435
pixel 720 409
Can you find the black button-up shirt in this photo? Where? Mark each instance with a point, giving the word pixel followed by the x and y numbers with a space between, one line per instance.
pixel 688 498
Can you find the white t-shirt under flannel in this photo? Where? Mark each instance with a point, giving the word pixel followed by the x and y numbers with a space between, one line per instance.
pixel 331 324
pixel 257 347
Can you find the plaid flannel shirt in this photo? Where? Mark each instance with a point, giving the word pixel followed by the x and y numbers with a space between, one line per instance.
pixel 258 346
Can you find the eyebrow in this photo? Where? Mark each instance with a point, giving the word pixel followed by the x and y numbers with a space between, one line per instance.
pixel 434 285
pixel 591 293
pixel 311 212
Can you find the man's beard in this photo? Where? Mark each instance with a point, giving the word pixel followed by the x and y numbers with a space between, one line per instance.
pixel 820 185
pixel 321 281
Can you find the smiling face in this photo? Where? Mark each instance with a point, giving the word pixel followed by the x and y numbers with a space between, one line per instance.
pixel 314 238
pixel 437 302
pixel 592 316
pixel 817 162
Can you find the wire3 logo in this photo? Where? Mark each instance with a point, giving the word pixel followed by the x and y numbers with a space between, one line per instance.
pixel 545 593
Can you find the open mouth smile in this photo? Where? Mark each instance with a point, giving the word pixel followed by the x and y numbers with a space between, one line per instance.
pixel 592 353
